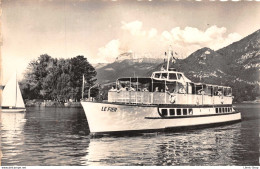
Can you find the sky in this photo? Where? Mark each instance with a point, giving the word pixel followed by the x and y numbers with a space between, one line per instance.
pixel 101 30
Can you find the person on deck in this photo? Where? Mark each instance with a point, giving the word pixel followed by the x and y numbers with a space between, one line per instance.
pixel 156 89
pixel 145 89
pixel 123 88
pixel 113 89
pixel 181 90
pixel 132 89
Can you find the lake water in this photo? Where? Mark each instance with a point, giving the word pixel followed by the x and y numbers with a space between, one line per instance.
pixel 60 136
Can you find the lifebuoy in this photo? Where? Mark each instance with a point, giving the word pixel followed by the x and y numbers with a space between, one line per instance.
pixel 172 98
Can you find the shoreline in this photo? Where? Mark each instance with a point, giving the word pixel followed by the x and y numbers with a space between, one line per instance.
pixel 40 103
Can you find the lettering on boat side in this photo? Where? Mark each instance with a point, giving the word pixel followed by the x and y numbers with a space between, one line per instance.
pixel 111 109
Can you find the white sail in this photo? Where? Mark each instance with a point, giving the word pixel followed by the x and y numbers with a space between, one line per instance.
pixel 12 96
pixel 19 98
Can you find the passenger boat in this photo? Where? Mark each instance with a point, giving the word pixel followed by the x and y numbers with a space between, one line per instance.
pixel 167 100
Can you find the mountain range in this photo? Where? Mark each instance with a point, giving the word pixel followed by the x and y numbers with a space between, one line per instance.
pixel 236 65
pixel 127 67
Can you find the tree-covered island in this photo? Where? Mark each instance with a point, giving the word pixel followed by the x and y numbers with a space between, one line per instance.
pixel 58 80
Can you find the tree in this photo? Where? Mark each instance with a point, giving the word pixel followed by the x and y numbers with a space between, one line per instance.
pixel 57 79
pixel 34 78
pixel 79 67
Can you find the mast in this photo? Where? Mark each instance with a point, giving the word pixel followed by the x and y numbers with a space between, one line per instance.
pixel 15 89
pixel 169 55
pixel 1 67
pixel 82 91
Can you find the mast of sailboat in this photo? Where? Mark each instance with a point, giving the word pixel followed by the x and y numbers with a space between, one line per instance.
pixel 15 89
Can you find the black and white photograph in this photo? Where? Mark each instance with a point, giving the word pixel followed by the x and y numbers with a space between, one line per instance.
pixel 129 83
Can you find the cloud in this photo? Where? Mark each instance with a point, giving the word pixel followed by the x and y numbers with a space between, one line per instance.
pixel 213 37
pixel 184 41
pixel 152 33
pixel 109 52
pixel 135 28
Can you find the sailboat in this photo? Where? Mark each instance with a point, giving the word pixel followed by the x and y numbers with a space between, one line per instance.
pixel 12 100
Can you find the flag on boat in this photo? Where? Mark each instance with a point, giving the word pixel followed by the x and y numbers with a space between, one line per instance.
pixel 173 58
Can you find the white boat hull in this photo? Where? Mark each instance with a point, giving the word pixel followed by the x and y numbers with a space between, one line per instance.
pixel 112 118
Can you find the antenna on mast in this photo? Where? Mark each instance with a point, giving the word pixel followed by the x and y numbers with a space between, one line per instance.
pixel 170 53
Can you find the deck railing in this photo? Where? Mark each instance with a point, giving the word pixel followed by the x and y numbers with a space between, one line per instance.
pixel 137 97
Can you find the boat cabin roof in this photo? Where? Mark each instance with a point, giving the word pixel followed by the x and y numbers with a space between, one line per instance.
pixel 136 79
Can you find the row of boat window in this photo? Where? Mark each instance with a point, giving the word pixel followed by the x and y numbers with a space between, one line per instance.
pixel 176 112
pixel 179 112
pixel 172 76
pixel 223 109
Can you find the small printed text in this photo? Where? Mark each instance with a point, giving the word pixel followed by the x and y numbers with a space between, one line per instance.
pixel 111 109
pixel 251 167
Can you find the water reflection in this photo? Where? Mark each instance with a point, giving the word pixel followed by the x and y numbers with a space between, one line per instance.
pixel 12 124
pixel 44 136
pixel 59 136
pixel 204 147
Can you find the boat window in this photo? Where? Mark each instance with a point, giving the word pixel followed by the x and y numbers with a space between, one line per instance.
pixel 199 89
pixel 190 111
pixel 223 110
pixel 210 91
pixel 179 76
pixel 178 111
pixel 157 75
pixel 229 91
pixel 225 91
pixel 184 111
pixel 220 91
pixel 181 88
pixel 172 76
pixel 230 109
pixel 215 91
pixel 164 75
pixel 220 110
pixel 172 112
pixel 192 88
pixel 204 90
pixel 164 112
pixel 226 109
pixel 216 110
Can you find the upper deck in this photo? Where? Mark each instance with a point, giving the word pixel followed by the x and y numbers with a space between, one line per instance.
pixel 168 87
